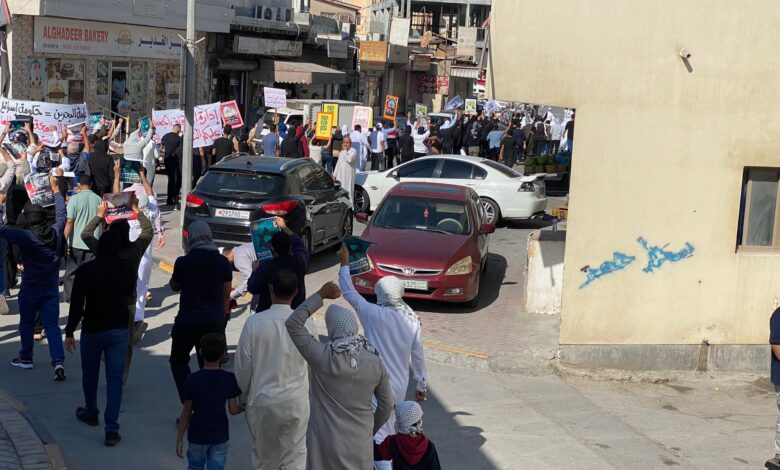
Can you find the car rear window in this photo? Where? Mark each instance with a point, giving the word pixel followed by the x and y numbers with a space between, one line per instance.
pixel 505 170
pixel 241 183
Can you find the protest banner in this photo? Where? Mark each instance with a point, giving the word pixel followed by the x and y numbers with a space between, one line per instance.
pixel 164 120
pixel 49 119
pixel 420 110
pixel 39 189
pixel 358 254
pixel 391 107
pixel 454 103
pixel 324 125
pixel 231 114
pixel 129 171
pixel 471 106
pixel 208 125
pixel 332 108
pixel 275 97
pixel 262 231
pixel 120 206
pixel 362 115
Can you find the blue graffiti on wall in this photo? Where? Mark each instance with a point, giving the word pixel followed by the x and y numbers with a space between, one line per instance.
pixel 619 261
pixel 657 256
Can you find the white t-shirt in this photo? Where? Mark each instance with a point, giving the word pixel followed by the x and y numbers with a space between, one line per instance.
pixel 419 142
pixel 380 138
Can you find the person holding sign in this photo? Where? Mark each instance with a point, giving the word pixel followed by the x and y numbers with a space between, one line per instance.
pixel 395 331
pixel 288 253
pixel 40 244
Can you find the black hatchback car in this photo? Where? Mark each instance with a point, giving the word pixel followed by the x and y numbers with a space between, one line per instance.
pixel 242 188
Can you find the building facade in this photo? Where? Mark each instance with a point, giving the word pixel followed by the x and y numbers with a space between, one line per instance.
pixel 672 243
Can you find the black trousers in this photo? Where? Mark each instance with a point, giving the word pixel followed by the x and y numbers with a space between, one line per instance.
pixel 417 155
pixel 405 157
pixel 484 147
pixel 76 257
pixel 183 340
pixel 173 170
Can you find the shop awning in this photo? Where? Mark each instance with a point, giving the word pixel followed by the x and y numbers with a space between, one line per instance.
pixel 304 73
pixel 464 72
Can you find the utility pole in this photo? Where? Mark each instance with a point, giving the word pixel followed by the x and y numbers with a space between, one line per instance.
pixel 189 109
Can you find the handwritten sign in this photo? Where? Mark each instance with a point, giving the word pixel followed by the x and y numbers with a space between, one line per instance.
pixel 164 120
pixel 275 97
pixel 324 125
pixel 207 126
pixel 231 114
pixel 49 119
pixel 332 108
pixel 362 115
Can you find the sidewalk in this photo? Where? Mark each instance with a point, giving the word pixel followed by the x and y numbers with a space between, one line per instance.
pixel 21 446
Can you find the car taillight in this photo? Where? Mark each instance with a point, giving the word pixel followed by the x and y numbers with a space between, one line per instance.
pixel 526 187
pixel 279 208
pixel 194 201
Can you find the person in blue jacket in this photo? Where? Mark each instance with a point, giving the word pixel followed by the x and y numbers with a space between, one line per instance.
pixel 40 245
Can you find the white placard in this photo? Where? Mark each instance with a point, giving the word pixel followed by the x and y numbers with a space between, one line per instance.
pixel 164 120
pixel 62 36
pixel 208 125
pixel 50 119
pixel 275 97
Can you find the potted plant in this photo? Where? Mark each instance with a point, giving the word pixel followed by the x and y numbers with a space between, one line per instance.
pixel 549 164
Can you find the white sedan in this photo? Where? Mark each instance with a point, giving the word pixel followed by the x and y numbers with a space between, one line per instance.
pixel 505 193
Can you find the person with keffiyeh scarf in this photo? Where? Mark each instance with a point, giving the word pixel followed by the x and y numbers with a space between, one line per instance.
pixel 345 374
pixel 396 332
pixel 409 448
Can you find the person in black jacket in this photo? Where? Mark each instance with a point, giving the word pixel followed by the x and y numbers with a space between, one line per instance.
pixel 291 143
pixel 98 301
pixel 406 144
pixel 457 136
pixel 446 138
pixel 101 164
pixel 172 144
pixel 485 126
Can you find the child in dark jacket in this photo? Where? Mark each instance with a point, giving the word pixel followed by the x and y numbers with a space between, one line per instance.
pixel 409 448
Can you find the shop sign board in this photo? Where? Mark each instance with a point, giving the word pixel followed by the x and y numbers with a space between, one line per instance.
pixel 421 63
pixel 264 46
pixel 338 49
pixel 373 51
pixel 467 41
pixel 63 36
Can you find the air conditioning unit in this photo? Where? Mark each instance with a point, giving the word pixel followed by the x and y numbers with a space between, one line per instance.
pixel 265 13
pixel 284 14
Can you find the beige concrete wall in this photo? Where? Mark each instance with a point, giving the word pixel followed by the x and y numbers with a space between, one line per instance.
pixel 659 153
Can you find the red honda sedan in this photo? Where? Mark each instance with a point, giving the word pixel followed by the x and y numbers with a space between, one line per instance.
pixel 432 237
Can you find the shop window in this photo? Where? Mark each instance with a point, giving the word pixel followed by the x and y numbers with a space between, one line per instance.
pixel 56 80
pixel 758 218
pixel 167 86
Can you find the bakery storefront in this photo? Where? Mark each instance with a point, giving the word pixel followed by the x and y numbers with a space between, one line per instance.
pixel 112 67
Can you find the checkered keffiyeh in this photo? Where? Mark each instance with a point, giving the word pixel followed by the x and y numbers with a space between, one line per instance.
pixel 407 415
pixel 342 328
pixel 390 293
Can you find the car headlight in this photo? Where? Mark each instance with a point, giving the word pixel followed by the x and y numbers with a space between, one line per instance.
pixel 461 267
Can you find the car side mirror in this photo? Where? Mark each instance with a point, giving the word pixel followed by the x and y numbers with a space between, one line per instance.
pixel 393 174
pixel 361 217
pixel 487 228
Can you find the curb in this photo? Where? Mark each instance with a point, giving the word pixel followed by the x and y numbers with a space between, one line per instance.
pixel 30 425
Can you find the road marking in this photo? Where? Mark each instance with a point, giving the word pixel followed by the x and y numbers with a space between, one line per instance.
pixel 167 267
pixel 456 350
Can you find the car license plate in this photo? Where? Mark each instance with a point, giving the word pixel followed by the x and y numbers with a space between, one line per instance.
pixel 232 214
pixel 415 285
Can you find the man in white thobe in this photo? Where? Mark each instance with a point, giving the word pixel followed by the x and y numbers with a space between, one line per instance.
pixel 274 378
pixel 346 166
pixel 395 331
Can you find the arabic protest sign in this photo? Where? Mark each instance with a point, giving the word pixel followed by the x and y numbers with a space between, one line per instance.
pixel 333 109
pixel 231 114
pixel 492 106
pixel 208 125
pixel 120 206
pixel 164 120
pixel 358 254
pixel 275 97
pixel 39 189
pixel 420 110
pixel 454 103
pixel 391 107
pixel 324 126
pixel 362 115
pixel 129 171
pixel 471 106
pixel 49 119
pixel 262 231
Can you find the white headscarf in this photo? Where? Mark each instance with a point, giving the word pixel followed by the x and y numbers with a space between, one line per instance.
pixel 390 293
pixel 342 326
pixel 447 124
pixel 407 415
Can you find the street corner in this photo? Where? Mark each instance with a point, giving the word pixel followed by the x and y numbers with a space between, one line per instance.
pixel 24 443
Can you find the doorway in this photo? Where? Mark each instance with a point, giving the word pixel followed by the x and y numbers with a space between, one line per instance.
pixel 119 90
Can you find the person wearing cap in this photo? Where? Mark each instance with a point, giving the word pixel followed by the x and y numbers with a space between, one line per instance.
pixel 377 142
pixel 289 252
pixel 409 448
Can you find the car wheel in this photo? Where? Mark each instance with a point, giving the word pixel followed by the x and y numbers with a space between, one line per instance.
pixel 306 239
pixel 362 202
pixel 492 211
pixel 485 263
pixel 346 227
